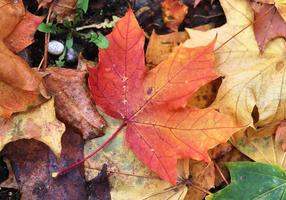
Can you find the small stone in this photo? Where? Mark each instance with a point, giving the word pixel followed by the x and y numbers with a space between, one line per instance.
pixel 55 47
pixel 71 55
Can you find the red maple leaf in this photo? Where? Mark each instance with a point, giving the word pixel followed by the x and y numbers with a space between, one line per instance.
pixel 151 103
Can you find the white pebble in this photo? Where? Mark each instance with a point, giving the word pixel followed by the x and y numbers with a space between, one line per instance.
pixel 55 47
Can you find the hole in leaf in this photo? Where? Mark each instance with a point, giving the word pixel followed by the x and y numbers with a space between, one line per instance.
pixel 255 114
pixel 206 95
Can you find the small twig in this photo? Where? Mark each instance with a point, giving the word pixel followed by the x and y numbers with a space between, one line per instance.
pixel 124 173
pixel 87 27
pixel 44 61
pixel 210 16
pixel 200 189
pixel 220 172
pixel 161 192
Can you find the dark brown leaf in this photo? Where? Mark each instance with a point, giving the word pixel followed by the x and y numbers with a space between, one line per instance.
pixel 32 163
pixel 73 103
pixel 99 188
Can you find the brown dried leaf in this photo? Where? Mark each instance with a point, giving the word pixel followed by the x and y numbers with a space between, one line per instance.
pixel 174 12
pixel 73 103
pixel 203 176
pixel 11 182
pixel 44 3
pixel 64 10
pixel 32 163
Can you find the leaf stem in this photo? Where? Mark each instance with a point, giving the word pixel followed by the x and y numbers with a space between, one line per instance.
pixel 76 164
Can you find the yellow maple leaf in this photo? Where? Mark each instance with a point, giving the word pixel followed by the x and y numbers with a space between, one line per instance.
pixel 262 145
pixel 251 79
pixel 40 124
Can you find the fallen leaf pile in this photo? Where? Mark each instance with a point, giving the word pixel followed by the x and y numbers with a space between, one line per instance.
pixel 157 119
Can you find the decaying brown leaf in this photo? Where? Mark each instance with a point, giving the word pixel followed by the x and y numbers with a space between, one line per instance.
pixel 32 162
pixel 73 102
pixel 64 10
pixel 203 176
pixel 174 12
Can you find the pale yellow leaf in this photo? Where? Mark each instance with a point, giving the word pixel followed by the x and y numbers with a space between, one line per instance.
pixel 251 79
pixel 261 147
pixel 39 123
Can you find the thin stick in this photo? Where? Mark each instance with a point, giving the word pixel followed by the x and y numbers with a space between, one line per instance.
pixel 200 189
pixel 124 173
pixel 44 61
pixel 220 172
pixel 76 164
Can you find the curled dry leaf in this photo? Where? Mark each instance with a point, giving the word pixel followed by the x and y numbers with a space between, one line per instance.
pixel 160 129
pixel 160 46
pixel 247 72
pixel 174 12
pixel 73 102
pixel 19 84
pixel 268 24
pixel 11 182
pixel 39 123
pixel 23 34
pixel 44 3
pixel 64 10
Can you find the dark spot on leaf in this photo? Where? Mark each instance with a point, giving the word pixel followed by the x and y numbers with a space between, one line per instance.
pixel 242 178
pixel 40 190
pixel 205 97
pixel 279 66
pixel 149 91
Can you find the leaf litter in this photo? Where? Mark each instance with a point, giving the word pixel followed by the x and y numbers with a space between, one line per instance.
pixel 164 116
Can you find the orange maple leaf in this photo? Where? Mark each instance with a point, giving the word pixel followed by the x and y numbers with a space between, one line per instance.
pixel 23 34
pixel 19 84
pixel 151 103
